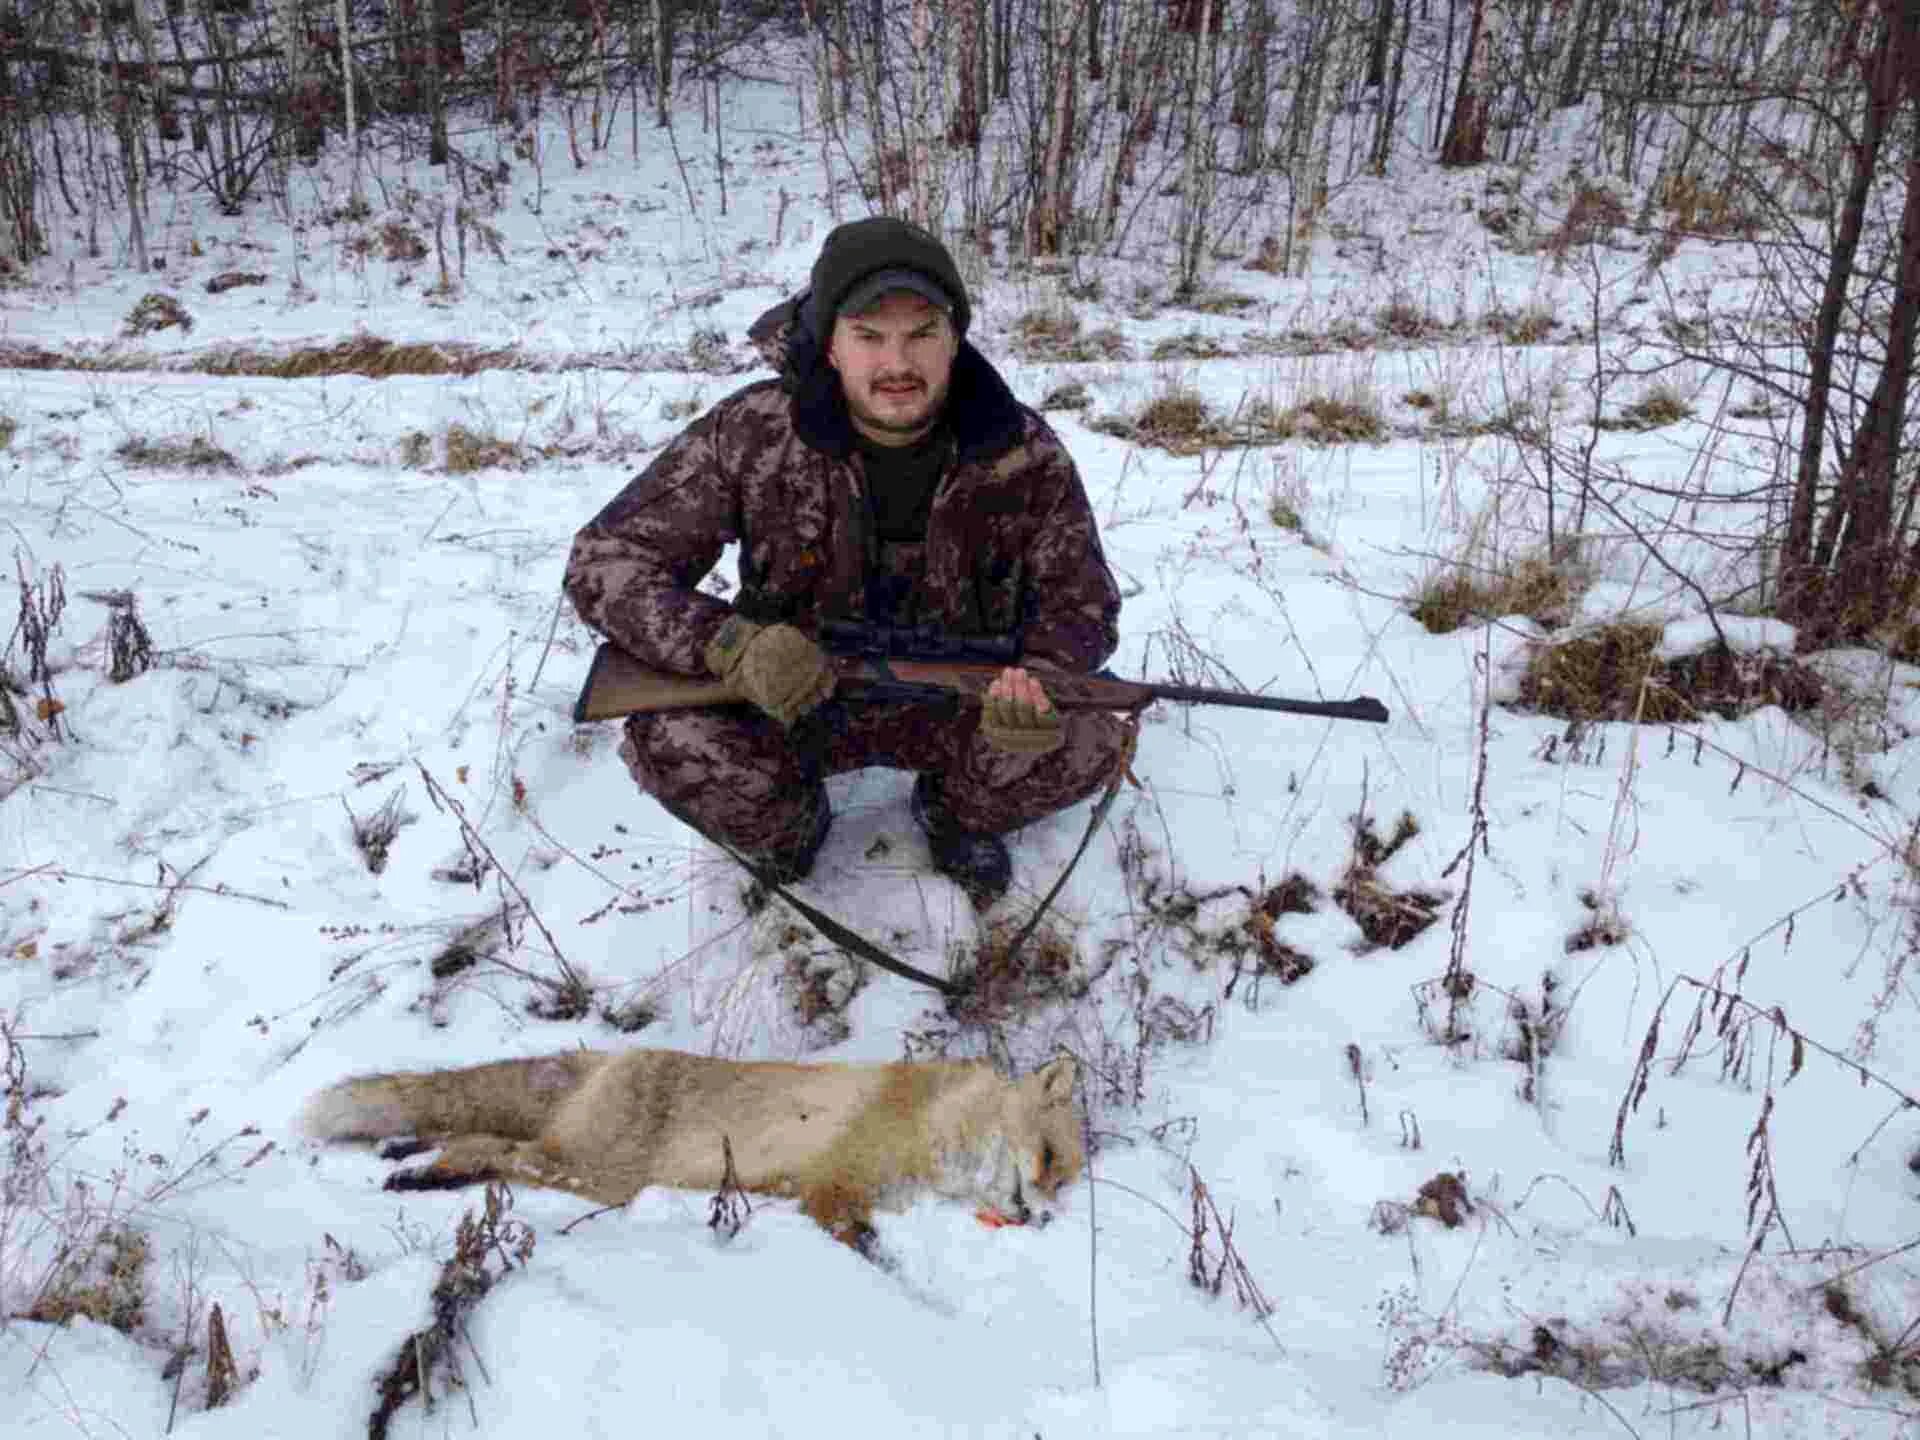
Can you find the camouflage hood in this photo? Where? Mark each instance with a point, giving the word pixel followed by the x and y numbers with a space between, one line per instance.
pixel 1011 541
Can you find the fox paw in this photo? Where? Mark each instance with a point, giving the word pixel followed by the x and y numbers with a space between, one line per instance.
pixel 429 1177
pixel 404 1148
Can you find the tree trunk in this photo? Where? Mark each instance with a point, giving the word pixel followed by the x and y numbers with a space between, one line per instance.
pixel 963 129
pixel 437 145
pixel 1196 187
pixel 1390 100
pixel 1051 210
pixel 1382 41
pixel 1466 142
pixel 1800 561
pixel 662 59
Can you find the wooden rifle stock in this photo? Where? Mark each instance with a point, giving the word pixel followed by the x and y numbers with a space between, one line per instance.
pixel 619 685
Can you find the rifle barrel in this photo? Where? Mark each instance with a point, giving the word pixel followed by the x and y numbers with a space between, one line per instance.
pixel 1361 707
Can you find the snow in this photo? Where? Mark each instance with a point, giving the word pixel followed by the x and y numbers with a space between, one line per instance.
pixel 193 944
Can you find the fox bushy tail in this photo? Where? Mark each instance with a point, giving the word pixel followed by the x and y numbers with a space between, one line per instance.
pixel 509 1098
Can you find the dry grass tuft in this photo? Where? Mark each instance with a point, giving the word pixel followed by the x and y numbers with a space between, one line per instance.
pixel 368 355
pixel 471 450
pixel 234 280
pixel 1531 586
pixel 1070 396
pixel 154 312
pixel 1528 326
pixel 1191 345
pixel 1219 302
pixel 8 429
pixel 1387 917
pixel 1354 417
pixel 1702 209
pixel 1270 259
pixel 1402 319
pixel 1055 333
pixel 1661 405
pixel 103 1278
pixel 1593 214
pixel 193 452
pixel 1604 924
pixel 1611 673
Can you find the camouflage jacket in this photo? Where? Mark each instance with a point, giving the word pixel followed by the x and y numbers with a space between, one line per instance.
pixel 1011 540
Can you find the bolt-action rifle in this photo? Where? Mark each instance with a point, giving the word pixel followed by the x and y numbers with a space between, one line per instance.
pixel 924 665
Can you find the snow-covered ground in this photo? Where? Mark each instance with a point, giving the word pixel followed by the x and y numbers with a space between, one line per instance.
pixel 191 943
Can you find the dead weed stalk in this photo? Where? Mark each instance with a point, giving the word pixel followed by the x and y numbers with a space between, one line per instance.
pixel 486 1248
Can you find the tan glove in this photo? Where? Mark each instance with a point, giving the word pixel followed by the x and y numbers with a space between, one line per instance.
pixel 774 667
pixel 1020 727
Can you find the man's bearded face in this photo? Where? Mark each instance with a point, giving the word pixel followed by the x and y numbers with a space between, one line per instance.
pixel 895 363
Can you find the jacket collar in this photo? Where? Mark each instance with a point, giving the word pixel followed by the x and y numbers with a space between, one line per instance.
pixel 982 413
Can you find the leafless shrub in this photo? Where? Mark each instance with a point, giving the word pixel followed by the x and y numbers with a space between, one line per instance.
pixel 1209 1271
pixel 486 1249
pixel 401 243
pixel 416 449
pixel 1593 214
pixel 156 311
pixel 8 429
pixel 129 646
pixel 373 835
pixel 996 984
pixel 42 603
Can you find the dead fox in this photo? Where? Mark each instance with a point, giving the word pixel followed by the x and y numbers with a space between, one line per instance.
pixel 843 1138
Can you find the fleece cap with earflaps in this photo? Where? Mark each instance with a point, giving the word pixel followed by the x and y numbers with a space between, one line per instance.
pixel 864 259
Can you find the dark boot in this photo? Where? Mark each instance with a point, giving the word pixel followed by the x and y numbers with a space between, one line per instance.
pixel 794 859
pixel 976 861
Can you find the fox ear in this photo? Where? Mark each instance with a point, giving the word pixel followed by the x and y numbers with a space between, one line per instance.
pixel 1056 1080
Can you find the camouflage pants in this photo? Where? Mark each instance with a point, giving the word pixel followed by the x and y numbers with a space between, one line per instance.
pixel 735 775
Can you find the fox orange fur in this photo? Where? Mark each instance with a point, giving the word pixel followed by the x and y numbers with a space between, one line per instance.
pixel 843 1138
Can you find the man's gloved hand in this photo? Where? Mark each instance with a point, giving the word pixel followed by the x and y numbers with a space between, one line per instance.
pixel 777 668
pixel 1017 717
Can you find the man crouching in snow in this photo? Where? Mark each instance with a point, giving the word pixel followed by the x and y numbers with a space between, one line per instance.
pixel 889 476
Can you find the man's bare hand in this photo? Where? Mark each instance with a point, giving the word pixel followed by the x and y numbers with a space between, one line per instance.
pixel 1016 716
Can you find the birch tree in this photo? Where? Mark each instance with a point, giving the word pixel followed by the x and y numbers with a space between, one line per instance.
pixel 1052 206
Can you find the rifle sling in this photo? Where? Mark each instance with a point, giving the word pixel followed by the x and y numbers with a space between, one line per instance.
pixel 851 941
